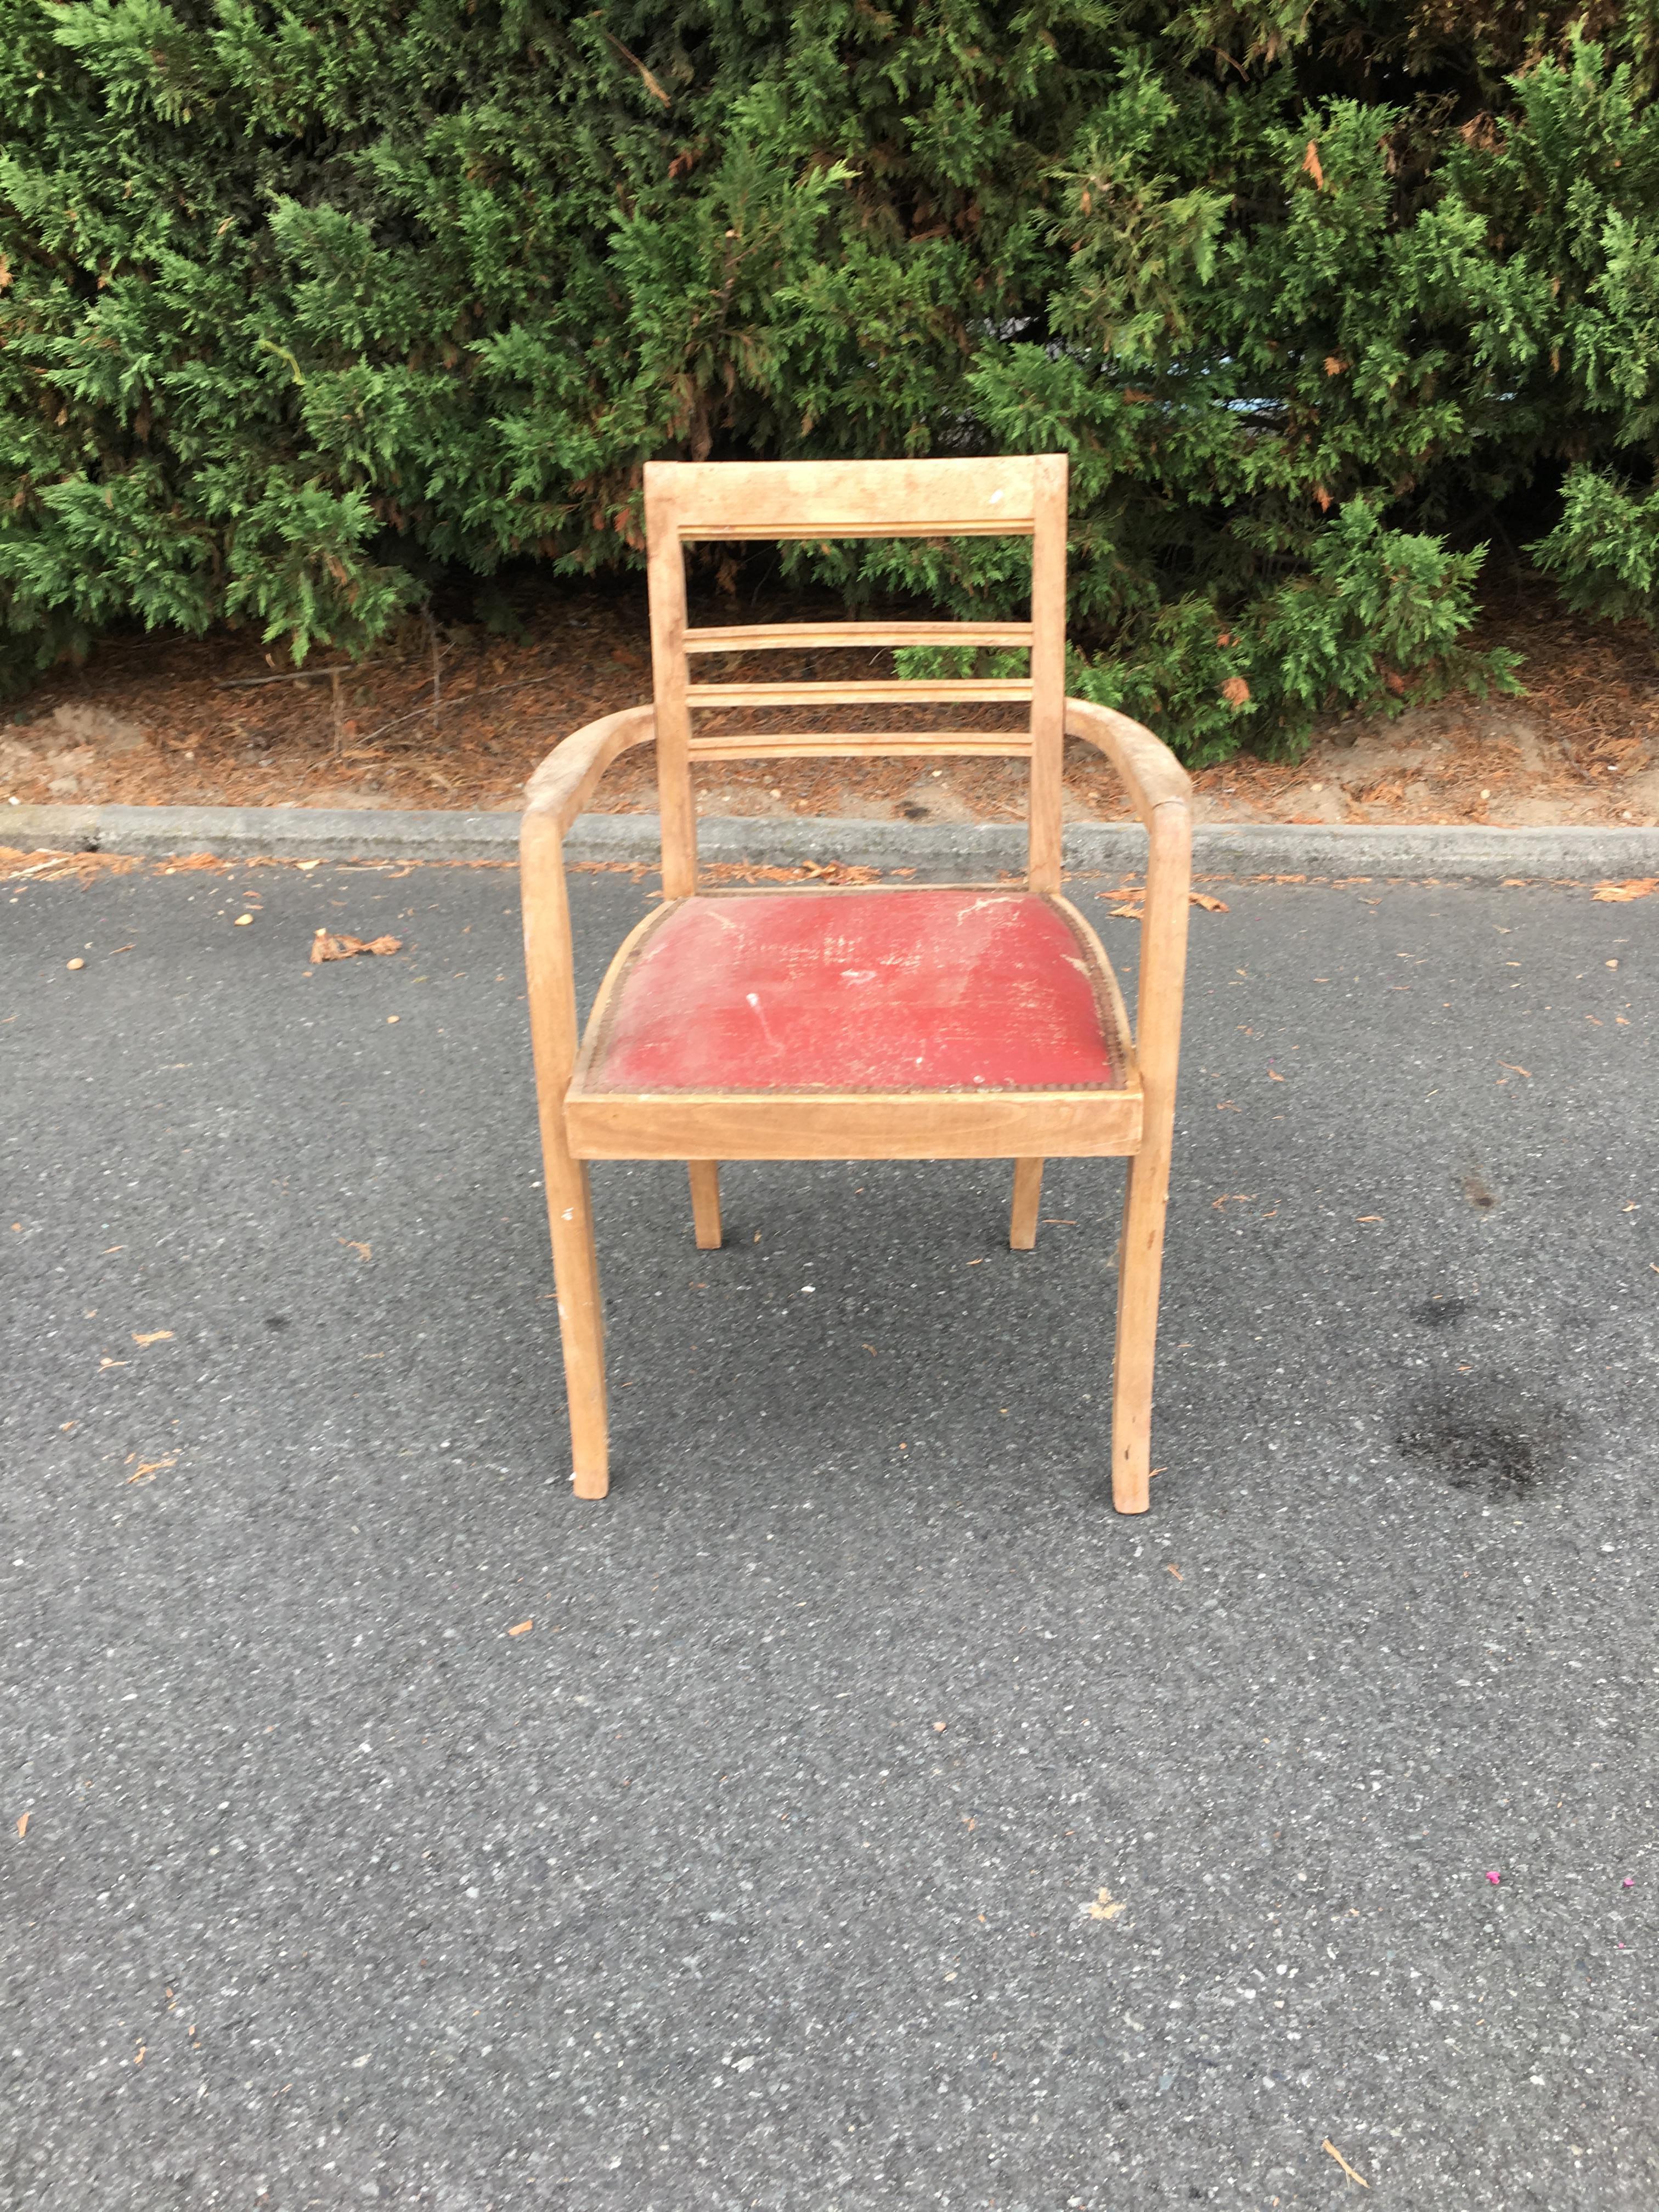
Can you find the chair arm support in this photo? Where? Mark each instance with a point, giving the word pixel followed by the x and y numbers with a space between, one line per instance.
pixel 1163 979
pixel 1160 791
pixel 1152 775
pixel 556 793
pixel 565 781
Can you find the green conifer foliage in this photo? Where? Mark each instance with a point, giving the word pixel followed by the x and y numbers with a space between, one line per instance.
pixel 296 303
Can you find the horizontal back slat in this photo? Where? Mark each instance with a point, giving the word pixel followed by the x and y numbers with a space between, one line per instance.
pixel 1010 690
pixel 844 499
pixel 792 637
pixel 800 744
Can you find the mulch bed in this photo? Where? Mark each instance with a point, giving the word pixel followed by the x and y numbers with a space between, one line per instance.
pixel 458 718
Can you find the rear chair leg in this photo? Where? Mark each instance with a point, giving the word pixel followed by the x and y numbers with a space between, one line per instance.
pixel 1140 1268
pixel 1028 1196
pixel 706 1203
pixel 582 1321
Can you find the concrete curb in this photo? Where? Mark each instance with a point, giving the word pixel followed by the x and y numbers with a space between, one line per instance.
pixel 1455 852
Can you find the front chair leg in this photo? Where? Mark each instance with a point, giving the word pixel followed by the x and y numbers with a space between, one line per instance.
pixel 1028 1196
pixel 706 1203
pixel 581 1322
pixel 1140 1268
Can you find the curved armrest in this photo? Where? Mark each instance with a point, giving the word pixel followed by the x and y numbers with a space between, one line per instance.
pixel 1152 775
pixel 1160 791
pixel 556 793
pixel 564 782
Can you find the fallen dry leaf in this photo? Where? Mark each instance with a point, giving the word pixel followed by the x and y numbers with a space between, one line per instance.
pixel 324 947
pixel 523 1628
pixel 147 1470
pixel 1328 2145
pixel 1210 905
pixel 1176 1571
pixel 363 1251
pixel 1607 894
pixel 1105 1907
pixel 22 1824
pixel 155 1336
pixel 1368 1217
pixel 242 921
pixel 1514 1070
pixel 81 963
pixel 1274 1076
pixel 1232 1198
pixel 839 872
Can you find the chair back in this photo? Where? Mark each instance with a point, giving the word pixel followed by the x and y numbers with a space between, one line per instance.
pixel 1016 497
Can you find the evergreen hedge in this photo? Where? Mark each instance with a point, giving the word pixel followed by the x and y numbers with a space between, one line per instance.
pixel 298 303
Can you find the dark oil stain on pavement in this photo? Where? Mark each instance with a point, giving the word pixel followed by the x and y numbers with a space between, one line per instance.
pixel 1442 1313
pixel 1478 1191
pixel 1492 1432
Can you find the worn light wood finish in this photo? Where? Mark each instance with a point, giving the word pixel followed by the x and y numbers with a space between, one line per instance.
pixel 665 577
pixel 1160 789
pixel 1047 672
pixel 853 1125
pixel 1012 690
pixel 857 745
pixel 1163 976
pixel 843 637
pixel 759 500
pixel 568 777
pixel 1028 1197
pixel 685 503
pixel 548 966
pixel 706 1203
pixel 1149 771
pixel 556 793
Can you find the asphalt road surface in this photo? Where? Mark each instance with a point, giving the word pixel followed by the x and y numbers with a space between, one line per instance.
pixel 867 1815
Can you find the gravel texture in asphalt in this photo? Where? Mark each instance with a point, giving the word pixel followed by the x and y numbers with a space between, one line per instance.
pixel 850 1811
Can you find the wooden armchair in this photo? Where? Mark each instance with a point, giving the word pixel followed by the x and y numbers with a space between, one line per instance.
pixel 922 1022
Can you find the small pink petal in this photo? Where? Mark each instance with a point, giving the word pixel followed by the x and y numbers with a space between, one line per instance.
pixel 1494 1877
pixel 1630 1881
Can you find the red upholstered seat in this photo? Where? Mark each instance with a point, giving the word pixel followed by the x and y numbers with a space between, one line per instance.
pixel 932 989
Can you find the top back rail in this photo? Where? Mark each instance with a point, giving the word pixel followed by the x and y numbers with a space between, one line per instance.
pixel 687 503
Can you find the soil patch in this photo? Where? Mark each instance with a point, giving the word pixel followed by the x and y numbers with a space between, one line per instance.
pixel 457 717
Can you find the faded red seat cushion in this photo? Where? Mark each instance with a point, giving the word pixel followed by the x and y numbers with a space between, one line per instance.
pixel 947 989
